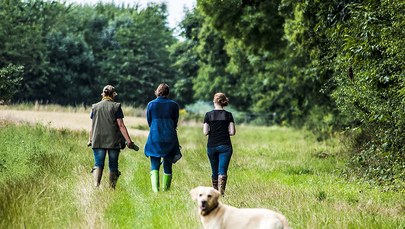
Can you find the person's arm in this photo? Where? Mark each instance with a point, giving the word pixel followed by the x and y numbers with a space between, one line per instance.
pixel 148 114
pixel 176 115
pixel 206 128
pixel 125 133
pixel 123 130
pixel 90 136
pixel 91 130
pixel 231 129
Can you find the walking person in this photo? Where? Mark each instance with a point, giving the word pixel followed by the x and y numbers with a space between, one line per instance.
pixel 162 145
pixel 219 126
pixel 108 135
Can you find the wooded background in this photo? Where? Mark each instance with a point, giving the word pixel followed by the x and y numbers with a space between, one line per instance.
pixel 332 65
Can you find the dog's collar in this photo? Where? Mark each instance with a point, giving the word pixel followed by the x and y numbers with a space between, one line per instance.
pixel 204 213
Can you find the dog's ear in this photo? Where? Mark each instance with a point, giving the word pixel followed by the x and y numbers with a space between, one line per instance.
pixel 217 194
pixel 194 193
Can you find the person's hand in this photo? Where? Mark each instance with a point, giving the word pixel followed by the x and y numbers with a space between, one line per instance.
pixel 132 145
pixel 88 143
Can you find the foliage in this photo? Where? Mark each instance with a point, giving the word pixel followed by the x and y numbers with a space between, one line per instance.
pixel 359 44
pixel 69 52
pixel 142 60
pixel 10 80
pixel 186 58
pixel 269 75
pixel 22 43
pixel 372 91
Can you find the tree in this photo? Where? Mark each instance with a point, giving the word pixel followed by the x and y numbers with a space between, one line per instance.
pixel 10 81
pixel 370 78
pixel 71 51
pixel 358 43
pixel 21 42
pixel 185 57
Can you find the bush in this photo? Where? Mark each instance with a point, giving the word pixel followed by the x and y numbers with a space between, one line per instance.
pixel 10 80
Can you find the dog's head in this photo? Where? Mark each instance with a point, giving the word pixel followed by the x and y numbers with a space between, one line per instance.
pixel 206 197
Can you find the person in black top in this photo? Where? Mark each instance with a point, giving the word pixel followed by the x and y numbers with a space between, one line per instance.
pixel 219 126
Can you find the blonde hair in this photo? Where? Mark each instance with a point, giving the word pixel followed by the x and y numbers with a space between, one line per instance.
pixel 221 99
pixel 162 90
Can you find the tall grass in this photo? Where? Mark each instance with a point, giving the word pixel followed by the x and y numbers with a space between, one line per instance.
pixel 80 108
pixel 38 175
pixel 45 182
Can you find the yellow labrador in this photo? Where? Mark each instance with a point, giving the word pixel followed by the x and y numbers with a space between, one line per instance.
pixel 216 215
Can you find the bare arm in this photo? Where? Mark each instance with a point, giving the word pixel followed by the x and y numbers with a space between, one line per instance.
pixel 206 129
pixel 231 129
pixel 123 130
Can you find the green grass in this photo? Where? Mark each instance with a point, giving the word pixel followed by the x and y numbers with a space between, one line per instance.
pixel 45 182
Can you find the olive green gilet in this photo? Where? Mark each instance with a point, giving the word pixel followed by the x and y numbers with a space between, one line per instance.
pixel 105 131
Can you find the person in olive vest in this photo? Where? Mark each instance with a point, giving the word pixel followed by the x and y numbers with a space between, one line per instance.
pixel 219 126
pixel 162 115
pixel 108 135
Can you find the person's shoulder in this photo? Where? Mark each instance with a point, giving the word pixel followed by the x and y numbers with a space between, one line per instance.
pixel 96 104
pixel 229 114
pixel 152 103
pixel 117 105
pixel 173 101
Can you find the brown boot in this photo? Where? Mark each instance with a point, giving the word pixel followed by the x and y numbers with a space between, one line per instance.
pixel 97 174
pixel 114 178
pixel 222 184
pixel 215 183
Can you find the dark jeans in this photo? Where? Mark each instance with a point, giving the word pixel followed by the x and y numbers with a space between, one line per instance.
pixel 219 157
pixel 155 164
pixel 99 158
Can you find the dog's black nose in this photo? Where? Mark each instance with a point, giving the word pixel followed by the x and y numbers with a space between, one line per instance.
pixel 203 203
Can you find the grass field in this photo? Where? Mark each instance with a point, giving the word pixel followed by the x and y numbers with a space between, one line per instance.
pixel 45 182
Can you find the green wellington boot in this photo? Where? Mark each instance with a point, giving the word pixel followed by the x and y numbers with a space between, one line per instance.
pixel 167 180
pixel 154 179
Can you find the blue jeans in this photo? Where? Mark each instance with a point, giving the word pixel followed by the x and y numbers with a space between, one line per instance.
pixel 99 158
pixel 155 164
pixel 219 157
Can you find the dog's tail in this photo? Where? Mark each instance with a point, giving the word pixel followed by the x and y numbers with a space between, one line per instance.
pixel 283 220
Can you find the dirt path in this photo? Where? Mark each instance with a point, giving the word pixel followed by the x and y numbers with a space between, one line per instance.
pixel 67 120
